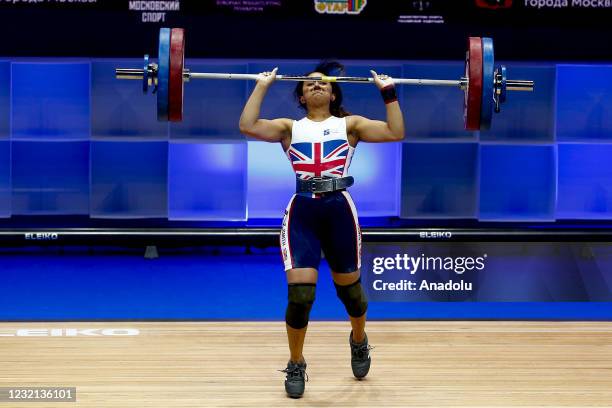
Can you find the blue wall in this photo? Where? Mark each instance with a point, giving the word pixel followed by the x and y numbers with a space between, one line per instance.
pixel 74 140
pixel 204 285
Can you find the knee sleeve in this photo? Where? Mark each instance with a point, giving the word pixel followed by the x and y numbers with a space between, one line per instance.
pixel 301 298
pixel 353 297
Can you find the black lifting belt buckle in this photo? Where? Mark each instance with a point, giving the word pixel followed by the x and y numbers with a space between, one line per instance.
pixel 323 185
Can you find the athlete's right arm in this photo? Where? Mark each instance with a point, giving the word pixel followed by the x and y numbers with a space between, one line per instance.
pixel 274 130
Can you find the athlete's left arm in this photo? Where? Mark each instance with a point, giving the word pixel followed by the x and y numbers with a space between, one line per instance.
pixel 376 130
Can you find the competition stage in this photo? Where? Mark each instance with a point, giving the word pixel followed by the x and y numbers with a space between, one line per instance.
pixel 190 318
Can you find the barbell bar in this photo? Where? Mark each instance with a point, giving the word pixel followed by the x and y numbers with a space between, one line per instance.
pixel 135 73
pixel 484 85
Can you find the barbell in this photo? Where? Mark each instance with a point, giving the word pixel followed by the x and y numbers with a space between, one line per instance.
pixel 484 84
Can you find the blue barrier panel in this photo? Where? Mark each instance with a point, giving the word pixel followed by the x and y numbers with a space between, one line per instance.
pixel 584 106
pixel 585 181
pixel 119 109
pixel 207 181
pixel 50 101
pixel 50 177
pixel 439 180
pixel 517 183
pixel 129 179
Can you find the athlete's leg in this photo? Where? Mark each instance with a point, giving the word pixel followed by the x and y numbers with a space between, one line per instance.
pixel 302 283
pixel 301 253
pixel 342 247
pixel 350 292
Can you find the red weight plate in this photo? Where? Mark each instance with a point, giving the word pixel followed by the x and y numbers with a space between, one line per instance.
pixel 177 62
pixel 473 92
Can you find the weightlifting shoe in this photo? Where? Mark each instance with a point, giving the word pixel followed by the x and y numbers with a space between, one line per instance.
pixel 296 378
pixel 360 357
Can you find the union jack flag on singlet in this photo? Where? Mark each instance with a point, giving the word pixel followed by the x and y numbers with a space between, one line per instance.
pixel 319 159
pixel 320 149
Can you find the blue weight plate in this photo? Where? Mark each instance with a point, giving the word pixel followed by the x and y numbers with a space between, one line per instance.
pixel 145 74
pixel 488 62
pixel 163 74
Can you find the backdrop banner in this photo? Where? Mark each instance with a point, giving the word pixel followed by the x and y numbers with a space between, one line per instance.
pixel 388 29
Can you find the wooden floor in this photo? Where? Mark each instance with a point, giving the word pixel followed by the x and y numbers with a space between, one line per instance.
pixel 231 364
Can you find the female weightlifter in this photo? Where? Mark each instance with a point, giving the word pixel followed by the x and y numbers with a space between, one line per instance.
pixel 321 214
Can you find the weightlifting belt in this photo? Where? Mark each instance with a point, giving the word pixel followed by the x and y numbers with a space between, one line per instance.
pixel 323 185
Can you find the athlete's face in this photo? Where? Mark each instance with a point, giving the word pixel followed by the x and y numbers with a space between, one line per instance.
pixel 317 92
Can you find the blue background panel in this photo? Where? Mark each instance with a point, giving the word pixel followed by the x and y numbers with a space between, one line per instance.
pixel 584 106
pixel 585 181
pixel 439 180
pixel 5 99
pixel 129 179
pixel 364 99
pixel 518 183
pixel 271 180
pixel 51 101
pixel 279 101
pixel 212 108
pixel 434 112
pixel 5 178
pixel 376 168
pixel 119 108
pixel 50 177
pixel 207 181
pixel 526 117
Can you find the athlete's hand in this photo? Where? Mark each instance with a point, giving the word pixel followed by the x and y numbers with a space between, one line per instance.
pixel 267 78
pixel 381 80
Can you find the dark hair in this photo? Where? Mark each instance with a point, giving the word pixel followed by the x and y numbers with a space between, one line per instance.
pixel 331 68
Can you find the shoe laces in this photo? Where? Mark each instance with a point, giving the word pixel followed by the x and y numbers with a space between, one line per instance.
pixel 295 371
pixel 361 350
